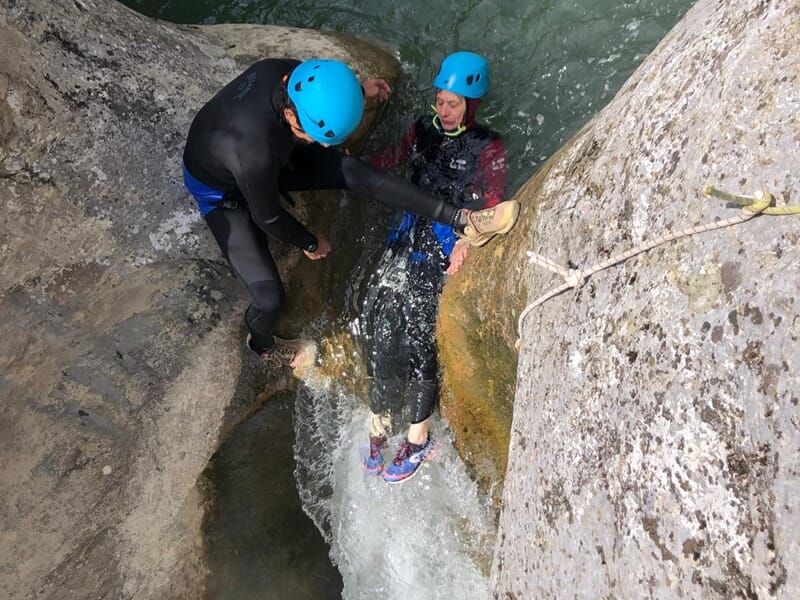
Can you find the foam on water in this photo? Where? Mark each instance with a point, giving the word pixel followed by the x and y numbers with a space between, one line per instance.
pixel 430 536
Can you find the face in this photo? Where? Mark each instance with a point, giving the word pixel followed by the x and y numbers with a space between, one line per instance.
pixel 451 109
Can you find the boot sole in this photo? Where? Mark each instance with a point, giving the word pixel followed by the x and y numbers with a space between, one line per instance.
pixel 482 239
pixel 310 360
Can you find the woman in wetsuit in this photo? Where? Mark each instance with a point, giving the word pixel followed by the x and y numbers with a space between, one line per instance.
pixel 462 164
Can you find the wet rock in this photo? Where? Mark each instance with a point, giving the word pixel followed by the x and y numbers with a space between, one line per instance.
pixel 654 441
pixel 121 366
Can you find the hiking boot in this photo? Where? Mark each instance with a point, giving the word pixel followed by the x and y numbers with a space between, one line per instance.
pixel 295 354
pixel 408 459
pixel 373 462
pixel 483 225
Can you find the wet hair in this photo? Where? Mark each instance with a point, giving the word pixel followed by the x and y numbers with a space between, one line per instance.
pixel 471 114
pixel 281 99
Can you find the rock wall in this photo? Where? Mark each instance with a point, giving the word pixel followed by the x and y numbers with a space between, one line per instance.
pixel 656 427
pixel 120 362
pixel 654 439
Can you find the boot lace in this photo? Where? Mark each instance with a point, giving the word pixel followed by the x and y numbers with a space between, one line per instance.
pixel 403 453
pixel 280 354
pixel 375 445
pixel 483 216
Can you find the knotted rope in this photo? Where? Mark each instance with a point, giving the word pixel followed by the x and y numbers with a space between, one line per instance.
pixel 762 203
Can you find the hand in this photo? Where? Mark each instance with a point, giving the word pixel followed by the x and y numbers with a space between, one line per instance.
pixel 457 256
pixel 323 248
pixel 376 89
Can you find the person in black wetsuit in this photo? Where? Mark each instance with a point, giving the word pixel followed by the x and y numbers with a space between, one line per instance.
pixel 269 132
pixel 464 165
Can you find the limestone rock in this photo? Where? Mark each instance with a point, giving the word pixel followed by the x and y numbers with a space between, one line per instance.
pixel 121 365
pixel 656 432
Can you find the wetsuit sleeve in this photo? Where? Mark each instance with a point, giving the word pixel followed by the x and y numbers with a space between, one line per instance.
pixel 394 157
pixel 259 186
pixel 394 191
pixel 490 180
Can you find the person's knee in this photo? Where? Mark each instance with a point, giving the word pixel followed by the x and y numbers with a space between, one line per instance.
pixel 268 296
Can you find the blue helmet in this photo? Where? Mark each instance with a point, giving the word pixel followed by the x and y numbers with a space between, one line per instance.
pixel 328 98
pixel 465 74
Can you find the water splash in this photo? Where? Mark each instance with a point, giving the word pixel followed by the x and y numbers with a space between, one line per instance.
pixel 431 536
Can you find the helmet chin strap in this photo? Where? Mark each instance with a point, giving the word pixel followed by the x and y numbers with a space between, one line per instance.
pixel 437 122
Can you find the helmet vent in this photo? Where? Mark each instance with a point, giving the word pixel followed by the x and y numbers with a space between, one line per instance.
pixel 328 99
pixel 465 74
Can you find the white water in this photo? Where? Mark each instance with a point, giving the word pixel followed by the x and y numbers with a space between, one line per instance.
pixel 428 537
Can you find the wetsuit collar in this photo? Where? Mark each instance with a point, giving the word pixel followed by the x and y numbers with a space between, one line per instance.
pixel 449 133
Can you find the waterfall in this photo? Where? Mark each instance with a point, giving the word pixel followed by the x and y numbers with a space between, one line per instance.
pixel 431 536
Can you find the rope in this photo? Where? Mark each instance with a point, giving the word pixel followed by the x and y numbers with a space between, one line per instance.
pixel 576 278
pixel 752 203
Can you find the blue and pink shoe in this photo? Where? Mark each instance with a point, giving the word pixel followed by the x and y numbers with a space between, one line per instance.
pixel 407 462
pixel 373 462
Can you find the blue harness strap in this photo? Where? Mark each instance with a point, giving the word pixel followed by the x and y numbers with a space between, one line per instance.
pixel 400 227
pixel 207 198
pixel 446 237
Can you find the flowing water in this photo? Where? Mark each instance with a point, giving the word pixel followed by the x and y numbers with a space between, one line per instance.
pixel 554 64
pixel 429 537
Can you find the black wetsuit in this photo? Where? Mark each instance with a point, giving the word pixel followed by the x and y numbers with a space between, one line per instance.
pixel 240 156
pixel 399 314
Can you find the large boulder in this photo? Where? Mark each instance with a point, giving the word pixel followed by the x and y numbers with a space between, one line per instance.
pixel 121 364
pixel 655 441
